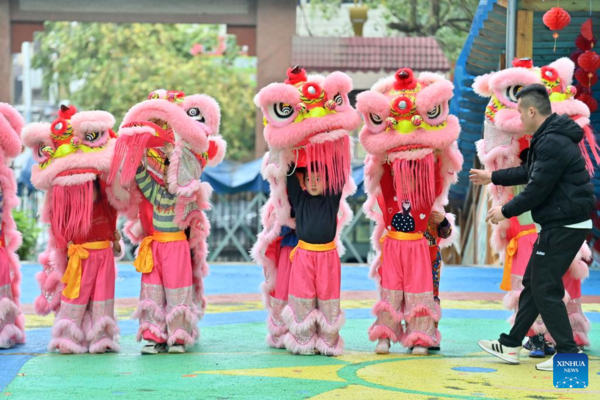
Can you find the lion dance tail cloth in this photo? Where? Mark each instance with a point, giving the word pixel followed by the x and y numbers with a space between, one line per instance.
pixel 78 279
pixel 412 160
pixel 12 322
pixel 505 145
pixel 307 124
pixel 165 203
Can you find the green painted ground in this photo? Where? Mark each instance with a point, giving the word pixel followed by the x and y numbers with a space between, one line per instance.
pixel 232 362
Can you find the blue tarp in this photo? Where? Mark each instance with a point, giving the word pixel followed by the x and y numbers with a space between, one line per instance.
pixel 227 178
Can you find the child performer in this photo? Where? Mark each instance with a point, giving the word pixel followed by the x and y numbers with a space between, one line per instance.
pixel 90 283
pixel 164 259
pixel 315 277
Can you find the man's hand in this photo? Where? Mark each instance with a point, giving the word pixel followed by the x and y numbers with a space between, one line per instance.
pixel 480 177
pixel 437 217
pixel 168 149
pixel 116 243
pixel 495 215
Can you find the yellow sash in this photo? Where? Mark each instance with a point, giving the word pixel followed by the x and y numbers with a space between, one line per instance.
pixel 403 236
pixel 312 247
pixel 511 250
pixel 144 262
pixel 72 276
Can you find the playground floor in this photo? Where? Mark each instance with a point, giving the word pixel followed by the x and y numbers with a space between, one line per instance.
pixel 232 360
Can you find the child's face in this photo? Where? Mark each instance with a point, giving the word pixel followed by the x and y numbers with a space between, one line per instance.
pixel 314 183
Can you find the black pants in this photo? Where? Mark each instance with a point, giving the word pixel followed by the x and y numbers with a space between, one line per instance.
pixel 543 290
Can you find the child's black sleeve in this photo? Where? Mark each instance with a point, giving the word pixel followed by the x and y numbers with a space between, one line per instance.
pixel 293 186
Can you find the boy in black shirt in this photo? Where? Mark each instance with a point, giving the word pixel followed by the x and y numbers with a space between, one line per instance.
pixel 313 314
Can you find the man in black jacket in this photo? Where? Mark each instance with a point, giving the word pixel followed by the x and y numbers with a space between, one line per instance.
pixel 559 195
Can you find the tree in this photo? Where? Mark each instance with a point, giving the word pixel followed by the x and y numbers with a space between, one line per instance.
pixel 448 21
pixel 114 66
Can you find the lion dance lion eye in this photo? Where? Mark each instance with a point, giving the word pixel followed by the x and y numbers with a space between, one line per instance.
pixel 434 112
pixel 92 136
pixel 194 113
pixel 511 92
pixel 281 111
pixel 376 119
pixel 339 100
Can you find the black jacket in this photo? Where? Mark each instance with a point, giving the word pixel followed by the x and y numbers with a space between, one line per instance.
pixel 558 191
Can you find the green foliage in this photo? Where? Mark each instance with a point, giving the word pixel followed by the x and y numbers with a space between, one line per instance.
pixel 114 66
pixel 27 225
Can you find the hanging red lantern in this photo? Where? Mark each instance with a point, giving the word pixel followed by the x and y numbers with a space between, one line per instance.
pixel 587 30
pixel 583 89
pixel 586 78
pixel 589 61
pixel 575 55
pixel 584 44
pixel 556 19
pixel 589 101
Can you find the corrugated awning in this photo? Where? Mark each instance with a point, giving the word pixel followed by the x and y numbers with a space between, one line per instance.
pixel 368 54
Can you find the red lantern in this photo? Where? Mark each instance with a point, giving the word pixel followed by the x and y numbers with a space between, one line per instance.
pixel 575 55
pixel 589 61
pixel 584 44
pixel 583 89
pixel 589 101
pixel 587 30
pixel 556 19
pixel 587 79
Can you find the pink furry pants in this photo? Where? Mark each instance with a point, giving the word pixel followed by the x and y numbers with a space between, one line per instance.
pixel 10 314
pixel 278 299
pixel 166 310
pixel 313 316
pixel 87 323
pixel 406 293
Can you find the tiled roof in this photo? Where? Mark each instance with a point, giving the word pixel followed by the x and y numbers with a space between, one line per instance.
pixel 368 54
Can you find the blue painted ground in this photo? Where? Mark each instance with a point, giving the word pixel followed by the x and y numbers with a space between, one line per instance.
pixel 231 279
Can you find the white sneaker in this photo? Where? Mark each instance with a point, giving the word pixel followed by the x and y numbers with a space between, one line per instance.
pixel 548 365
pixel 154 348
pixel 383 346
pixel 420 351
pixel 177 349
pixel 507 354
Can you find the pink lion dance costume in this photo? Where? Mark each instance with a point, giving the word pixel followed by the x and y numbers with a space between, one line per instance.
pixel 413 159
pixel 11 319
pixel 78 279
pixel 504 145
pixel 307 120
pixel 167 217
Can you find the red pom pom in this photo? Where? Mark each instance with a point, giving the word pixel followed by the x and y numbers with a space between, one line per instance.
pixel 295 75
pixel 405 79
pixel 587 30
pixel 212 149
pixel 589 101
pixel 589 61
pixel 584 79
pixel 66 112
pixel 522 62
pixel 584 44
pixel 556 19
pixel 549 74
pixel 402 105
